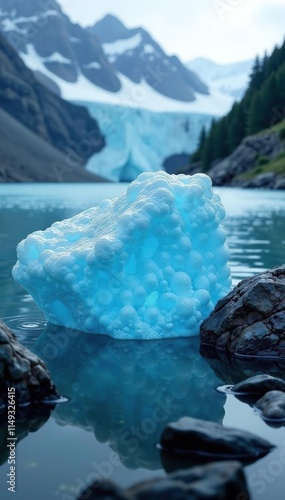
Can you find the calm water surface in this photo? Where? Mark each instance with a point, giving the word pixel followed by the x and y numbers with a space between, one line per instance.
pixel 121 394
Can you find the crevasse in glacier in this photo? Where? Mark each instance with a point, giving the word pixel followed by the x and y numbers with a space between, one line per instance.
pixel 149 264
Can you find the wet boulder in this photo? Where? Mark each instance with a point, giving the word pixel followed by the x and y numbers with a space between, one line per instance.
pixel 201 437
pixel 272 406
pixel 216 480
pixel 250 320
pixel 259 384
pixel 22 372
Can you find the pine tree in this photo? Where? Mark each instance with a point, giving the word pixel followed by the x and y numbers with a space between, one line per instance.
pixel 237 128
pixel 254 118
pixel 220 147
pixel 262 106
pixel 208 151
pixel 270 99
pixel 256 75
pixel 197 156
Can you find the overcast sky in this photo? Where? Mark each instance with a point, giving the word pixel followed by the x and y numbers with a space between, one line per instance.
pixel 222 30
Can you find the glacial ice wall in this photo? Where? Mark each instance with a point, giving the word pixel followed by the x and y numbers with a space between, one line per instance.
pixel 133 144
pixel 149 264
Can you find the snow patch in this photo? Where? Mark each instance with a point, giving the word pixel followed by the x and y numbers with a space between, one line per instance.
pixel 148 49
pixel 93 64
pixel 9 25
pixel 120 46
pixel 57 57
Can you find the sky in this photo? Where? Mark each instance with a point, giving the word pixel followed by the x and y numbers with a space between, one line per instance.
pixel 222 30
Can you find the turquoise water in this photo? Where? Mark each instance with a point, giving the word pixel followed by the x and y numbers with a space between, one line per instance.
pixel 121 394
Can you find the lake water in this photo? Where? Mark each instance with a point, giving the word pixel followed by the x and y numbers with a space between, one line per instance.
pixel 121 394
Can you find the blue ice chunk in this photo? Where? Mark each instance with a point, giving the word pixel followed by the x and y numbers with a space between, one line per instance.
pixel 150 264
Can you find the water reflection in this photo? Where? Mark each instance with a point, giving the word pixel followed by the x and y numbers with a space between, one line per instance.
pixel 126 391
pixel 28 419
pixel 233 369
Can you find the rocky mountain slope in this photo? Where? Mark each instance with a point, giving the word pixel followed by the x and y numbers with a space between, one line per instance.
pixel 259 162
pixel 135 54
pixel 105 60
pixel 34 121
pixel 25 157
pixel 40 28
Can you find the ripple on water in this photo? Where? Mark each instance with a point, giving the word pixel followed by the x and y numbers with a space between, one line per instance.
pixel 26 328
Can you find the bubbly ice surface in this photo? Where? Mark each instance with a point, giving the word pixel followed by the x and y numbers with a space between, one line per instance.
pixel 150 264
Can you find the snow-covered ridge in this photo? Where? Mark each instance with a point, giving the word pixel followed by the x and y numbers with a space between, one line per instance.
pixel 229 79
pixel 12 24
pixel 133 95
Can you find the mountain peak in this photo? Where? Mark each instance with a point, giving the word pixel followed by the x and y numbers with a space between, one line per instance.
pixel 110 28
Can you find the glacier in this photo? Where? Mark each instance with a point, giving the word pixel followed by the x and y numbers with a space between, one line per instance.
pixel 139 140
pixel 149 264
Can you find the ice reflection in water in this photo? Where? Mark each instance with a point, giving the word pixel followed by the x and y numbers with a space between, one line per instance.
pixel 126 391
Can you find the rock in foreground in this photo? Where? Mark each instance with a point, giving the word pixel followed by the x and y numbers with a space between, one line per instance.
pixel 272 406
pixel 251 319
pixel 23 370
pixel 190 435
pixel 259 384
pixel 218 480
pixel 149 264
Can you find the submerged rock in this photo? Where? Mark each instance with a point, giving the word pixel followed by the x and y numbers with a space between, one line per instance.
pixel 272 406
pixel 218 480
pixel 149 264
pixel 251 319
pixel 191 435
pixel 22 370
pixel 259 384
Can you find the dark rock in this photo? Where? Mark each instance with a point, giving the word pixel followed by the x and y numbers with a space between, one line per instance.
pixel 20 150
pixel 272 406
pixel 219 481
pixel 177 163
pixel 260 384
pixel 280 183
pixel 60 125
pixel 243 159
pixel 24 371
pixel 47 82
pixel 250 320
pixel 191 435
